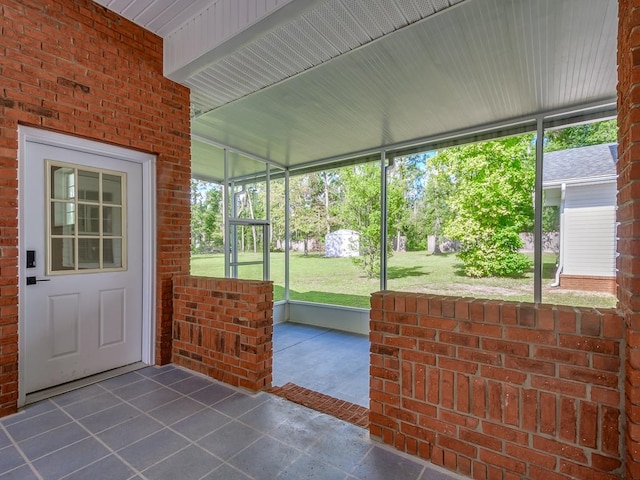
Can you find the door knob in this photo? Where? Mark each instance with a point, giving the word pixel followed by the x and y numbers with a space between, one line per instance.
pixel 34 280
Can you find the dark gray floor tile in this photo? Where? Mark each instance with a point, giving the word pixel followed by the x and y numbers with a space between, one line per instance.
pixel 269 414
pixel 155 399
pixel 10 458
pixel 137 389
pixel 91 405
pixel 265 458
pixel 304 428
pixel 129 432
pixel 109 468
pixel 22 473
pixel 176 410
pixel 212 394
pixel 172 376
pixel 239 403
pixel 192 384
pixel 201 424
pixel 226 472
pixel 37 424
pixel 308 468
pixel 121 380
pixel 70 459
pixel 343 447
pixel 229 439
pixel 152 449
pixel 108 418
pixel 4 440
pixel 78 394
pixel 188 464
pixel 381 464
pixel 29 411
pixel 152 371
pixel 38 446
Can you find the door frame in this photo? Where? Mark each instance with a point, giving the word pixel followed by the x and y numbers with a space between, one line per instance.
pixel 148 163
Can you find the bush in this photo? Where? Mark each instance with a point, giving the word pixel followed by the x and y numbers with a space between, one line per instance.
pixel 496 256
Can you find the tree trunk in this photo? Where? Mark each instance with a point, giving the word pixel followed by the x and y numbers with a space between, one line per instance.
pixel 326 201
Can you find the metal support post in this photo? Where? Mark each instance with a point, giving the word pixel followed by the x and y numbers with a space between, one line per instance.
pixel 537 207
pixel 383 220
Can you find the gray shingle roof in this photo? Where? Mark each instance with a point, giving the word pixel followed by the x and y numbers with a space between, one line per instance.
pixel 580 163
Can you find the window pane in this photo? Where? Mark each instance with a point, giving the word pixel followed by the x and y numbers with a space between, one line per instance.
pixel 112 189
pixel 88 185
pixel 88 253
pixel 112 221
pixel 62 254
pixel 62 218
pixel 88 219
pixel 112 256
pixel 62 183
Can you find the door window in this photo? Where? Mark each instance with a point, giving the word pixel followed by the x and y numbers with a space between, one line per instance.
pixel 86 224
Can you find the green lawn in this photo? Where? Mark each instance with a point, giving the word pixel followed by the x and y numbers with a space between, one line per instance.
pixel 339 281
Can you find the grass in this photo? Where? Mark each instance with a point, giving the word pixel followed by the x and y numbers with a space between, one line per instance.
pixel 338 281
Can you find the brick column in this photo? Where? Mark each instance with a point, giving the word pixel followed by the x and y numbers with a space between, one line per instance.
pixel 629 217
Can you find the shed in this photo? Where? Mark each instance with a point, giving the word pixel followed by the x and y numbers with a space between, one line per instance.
pixel 582 183
pixel 342 243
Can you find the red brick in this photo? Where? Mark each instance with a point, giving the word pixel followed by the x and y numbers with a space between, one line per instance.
pixel 558 448
pixel 541 459
pixel 568 419
pixel 502 461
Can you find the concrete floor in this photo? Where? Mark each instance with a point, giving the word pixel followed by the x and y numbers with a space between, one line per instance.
pixel 168 423
pixel 326 361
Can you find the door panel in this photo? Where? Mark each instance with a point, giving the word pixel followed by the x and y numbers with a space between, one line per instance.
pixel 84 313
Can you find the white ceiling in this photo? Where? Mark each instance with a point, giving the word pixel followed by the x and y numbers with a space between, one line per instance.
pixel 342 77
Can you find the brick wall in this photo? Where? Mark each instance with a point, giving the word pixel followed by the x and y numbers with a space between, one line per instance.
pixel 498 390
pixel 589 283
pixel 628 216
pixel 76 68
pixel 223 328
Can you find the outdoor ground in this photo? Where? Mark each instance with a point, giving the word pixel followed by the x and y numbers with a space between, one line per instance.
pixel 339 281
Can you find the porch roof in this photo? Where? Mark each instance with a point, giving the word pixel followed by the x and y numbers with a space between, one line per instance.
pixel 304 83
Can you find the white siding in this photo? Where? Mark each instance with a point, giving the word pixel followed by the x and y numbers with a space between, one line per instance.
pixel 589 230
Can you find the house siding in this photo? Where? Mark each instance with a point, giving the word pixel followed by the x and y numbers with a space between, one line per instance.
pixel 589 230
pixel 76 68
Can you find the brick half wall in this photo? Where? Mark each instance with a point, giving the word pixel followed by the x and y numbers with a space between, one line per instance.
pixel 498 390
pixel 223 328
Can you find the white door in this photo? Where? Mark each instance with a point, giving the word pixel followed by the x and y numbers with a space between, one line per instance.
pixel 81 268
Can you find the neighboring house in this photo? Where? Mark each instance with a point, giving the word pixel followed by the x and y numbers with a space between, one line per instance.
pixel 582 183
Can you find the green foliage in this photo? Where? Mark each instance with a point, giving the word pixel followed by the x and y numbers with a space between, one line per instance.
pixel 489 187
pixel 361 212
pixel 206 217
pixel 582 136
pixel 495 255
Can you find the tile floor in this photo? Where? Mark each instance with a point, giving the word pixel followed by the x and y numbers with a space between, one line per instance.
pixel 169 423
pixel 326 361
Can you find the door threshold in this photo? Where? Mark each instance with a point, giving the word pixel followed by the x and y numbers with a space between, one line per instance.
pixel 83 382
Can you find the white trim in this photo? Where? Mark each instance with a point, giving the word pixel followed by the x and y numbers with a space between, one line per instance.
pixel 148 162
pixel 580 181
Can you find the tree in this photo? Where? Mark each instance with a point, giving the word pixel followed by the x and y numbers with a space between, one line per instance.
pixel 361 211
pixel 206 216
pixel 582 135
pixel 491 186
pixel 308 215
